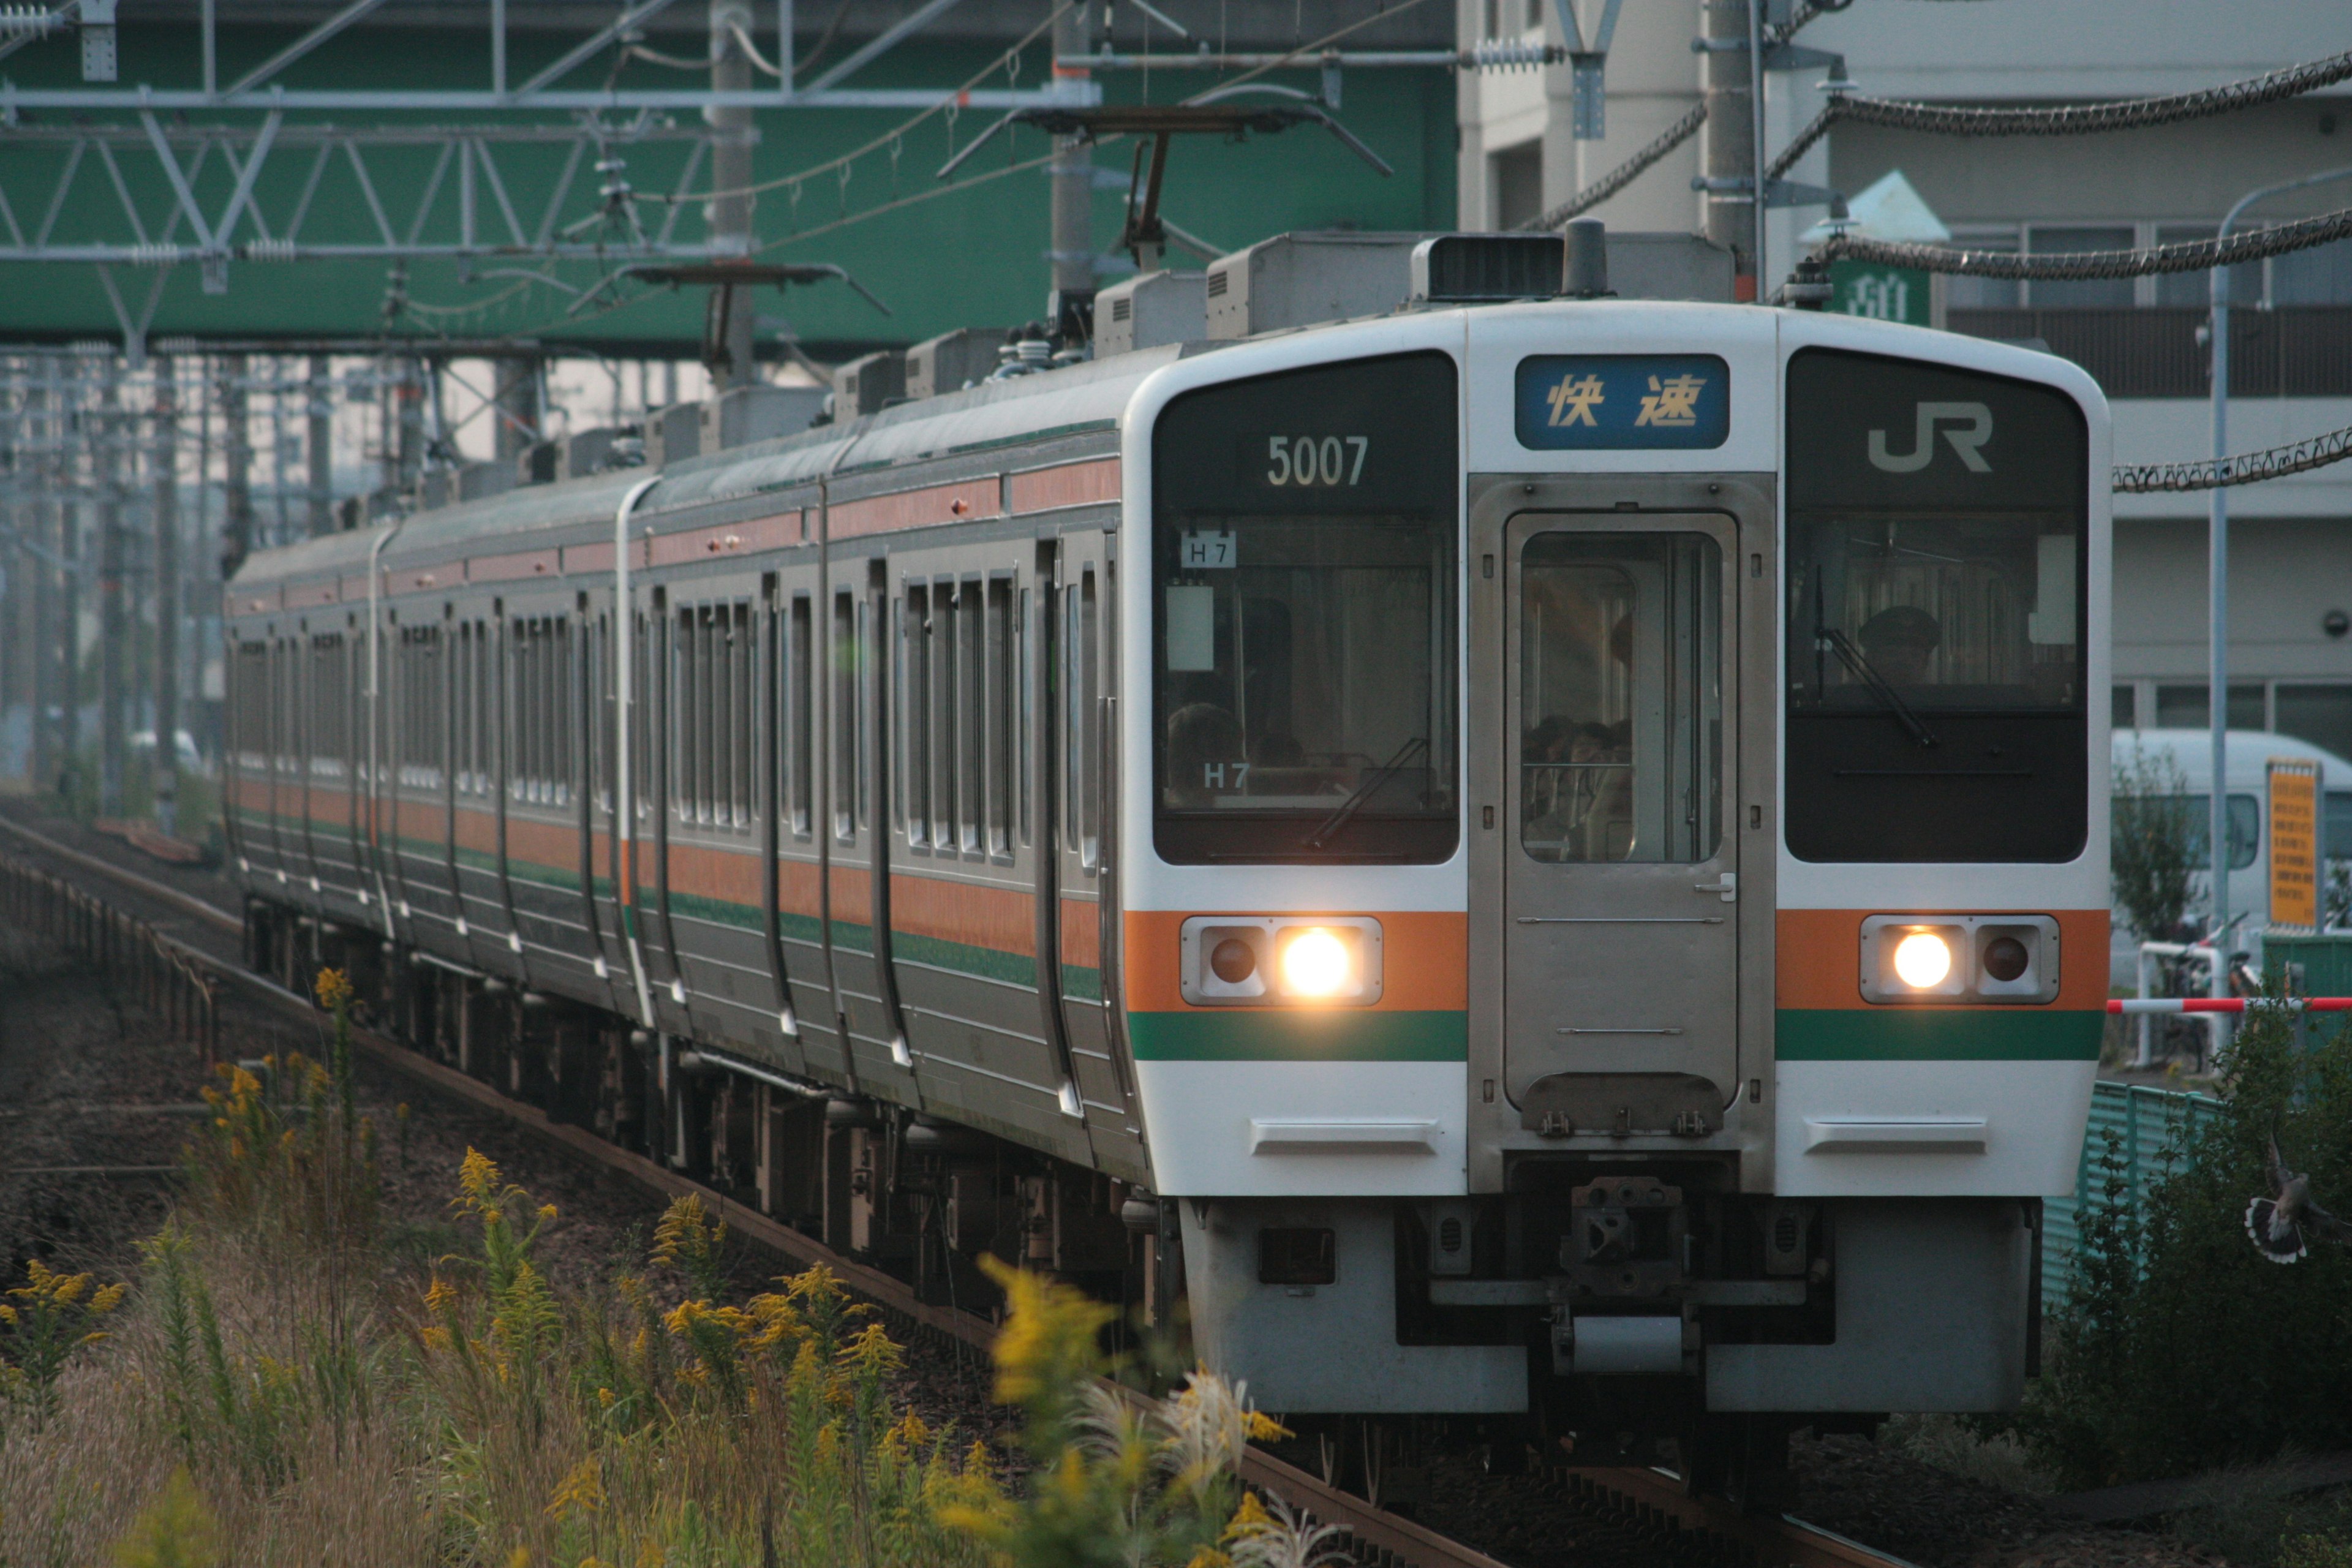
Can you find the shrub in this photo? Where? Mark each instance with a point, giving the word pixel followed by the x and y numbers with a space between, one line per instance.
pixel 2181 1349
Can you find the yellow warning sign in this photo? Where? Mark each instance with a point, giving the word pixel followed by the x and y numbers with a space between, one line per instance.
pixel 2294 843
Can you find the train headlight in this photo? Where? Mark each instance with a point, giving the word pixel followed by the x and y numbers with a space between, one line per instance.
pixel 1923 960
pixel 1318 963
pixel 1259 960
pixel 1959 958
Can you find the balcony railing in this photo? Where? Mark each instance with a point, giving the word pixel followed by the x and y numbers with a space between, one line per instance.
pixel 2292 351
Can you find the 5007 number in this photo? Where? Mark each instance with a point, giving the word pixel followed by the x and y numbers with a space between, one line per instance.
pixel 1307 461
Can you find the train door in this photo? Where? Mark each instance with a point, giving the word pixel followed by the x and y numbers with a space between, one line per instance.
pixel 1622 939
pixel 1084 681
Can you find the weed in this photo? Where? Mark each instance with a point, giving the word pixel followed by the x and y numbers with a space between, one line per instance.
pixel 2181 1347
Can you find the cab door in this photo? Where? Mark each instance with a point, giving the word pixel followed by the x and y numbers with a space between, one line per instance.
pixel 1620 885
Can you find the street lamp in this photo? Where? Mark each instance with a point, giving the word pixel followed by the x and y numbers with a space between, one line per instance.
pixel 2217 702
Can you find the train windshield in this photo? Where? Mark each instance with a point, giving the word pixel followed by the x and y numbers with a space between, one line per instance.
pixel 1303 681
pixel 1937 580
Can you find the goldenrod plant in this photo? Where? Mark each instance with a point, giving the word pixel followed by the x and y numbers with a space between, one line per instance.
pixel 42 1322
pixel 1118 1481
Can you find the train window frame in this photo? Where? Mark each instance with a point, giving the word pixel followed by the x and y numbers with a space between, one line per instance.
pixel 1997 779
pixel 1374 506
pixel 997 741
pixel 800 727
pixel 915 712
pixel 847 775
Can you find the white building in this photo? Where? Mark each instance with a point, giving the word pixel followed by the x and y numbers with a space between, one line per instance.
pixel 2291 541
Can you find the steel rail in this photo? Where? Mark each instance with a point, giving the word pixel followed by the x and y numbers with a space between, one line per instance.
pixel 1652 1502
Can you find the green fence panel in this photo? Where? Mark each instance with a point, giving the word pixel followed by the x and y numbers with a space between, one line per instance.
pixel 2148 1126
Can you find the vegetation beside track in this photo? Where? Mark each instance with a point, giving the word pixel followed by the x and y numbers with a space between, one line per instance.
pixel 288 1380
pixel 2183 1350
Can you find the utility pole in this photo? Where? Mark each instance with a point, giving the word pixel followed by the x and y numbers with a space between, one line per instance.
pixel 167 598
pixel 105 438
pixel 41 425
pixel 1730 157
pixel 1073 176
pixel 727 221
pixel 319 451
pixel 517 391
pixel 236 467
pixel 70 557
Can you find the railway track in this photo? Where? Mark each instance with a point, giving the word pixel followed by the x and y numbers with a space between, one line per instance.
pixel 1637 1511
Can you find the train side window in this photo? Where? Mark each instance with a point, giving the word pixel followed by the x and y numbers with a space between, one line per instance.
pixel 799 683
pixel 1066 663
pixel 999 739
pixel 720 710
pixel 971 716
pixel 866 695
pixel 845 716
pixel 566 713
pixel 1086 690
pixel 915 719
pixel 641 717
pixel 600 735
pixel 1023 674
pixel 746 803
pixel 942 646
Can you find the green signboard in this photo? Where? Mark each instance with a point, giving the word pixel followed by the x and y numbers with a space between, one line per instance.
pixel 1881 293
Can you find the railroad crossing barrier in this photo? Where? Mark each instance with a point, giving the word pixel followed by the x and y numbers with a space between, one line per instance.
pixel 165 978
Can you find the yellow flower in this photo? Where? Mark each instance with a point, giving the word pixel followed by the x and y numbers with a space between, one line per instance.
pixel 439 1296
pixel 333 989
pixel 1265 1428
pixel 1047 1344
pixel 581 1491
pixel 546 1212
pixel 607 1397
pixel 1250 1519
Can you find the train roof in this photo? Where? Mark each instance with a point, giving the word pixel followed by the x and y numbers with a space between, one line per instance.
pixel 1072 400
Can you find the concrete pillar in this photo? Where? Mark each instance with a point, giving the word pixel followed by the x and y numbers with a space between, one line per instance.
pixel 1730 136
pixel 167 596
pixel 1073 177
pixel 728 220
pixel 318 448
pixel 237 465
pixel 108 435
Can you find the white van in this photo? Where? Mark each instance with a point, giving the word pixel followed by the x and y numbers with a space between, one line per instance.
pixel 2251 751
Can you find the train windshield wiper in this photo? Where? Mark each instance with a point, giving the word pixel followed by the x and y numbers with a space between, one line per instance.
pixel 1852 658
pixel 1365 789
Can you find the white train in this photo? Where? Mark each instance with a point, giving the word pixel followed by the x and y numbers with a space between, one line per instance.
pixel 1542 855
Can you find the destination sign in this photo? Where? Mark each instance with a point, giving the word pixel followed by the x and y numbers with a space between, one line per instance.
pixel 1605 402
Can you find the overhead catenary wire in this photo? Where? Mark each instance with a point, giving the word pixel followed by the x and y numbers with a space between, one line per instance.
pixel 1303 51
pixel 2080 266
pixel 946 100
pixel 2246 468
pixel 2064 120
pixel 1622 175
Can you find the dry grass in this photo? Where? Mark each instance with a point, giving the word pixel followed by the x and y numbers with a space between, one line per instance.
pixel 285 1385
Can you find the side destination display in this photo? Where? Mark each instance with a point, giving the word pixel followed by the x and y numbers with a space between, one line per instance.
pixel 1603 402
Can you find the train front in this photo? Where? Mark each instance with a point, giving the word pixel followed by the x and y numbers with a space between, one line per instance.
pixel 1613 855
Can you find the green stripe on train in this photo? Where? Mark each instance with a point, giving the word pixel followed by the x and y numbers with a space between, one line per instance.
pixel 1234 1035
pixel 1924 1035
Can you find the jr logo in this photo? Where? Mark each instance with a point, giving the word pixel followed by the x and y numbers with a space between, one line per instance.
pixel 1975 415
